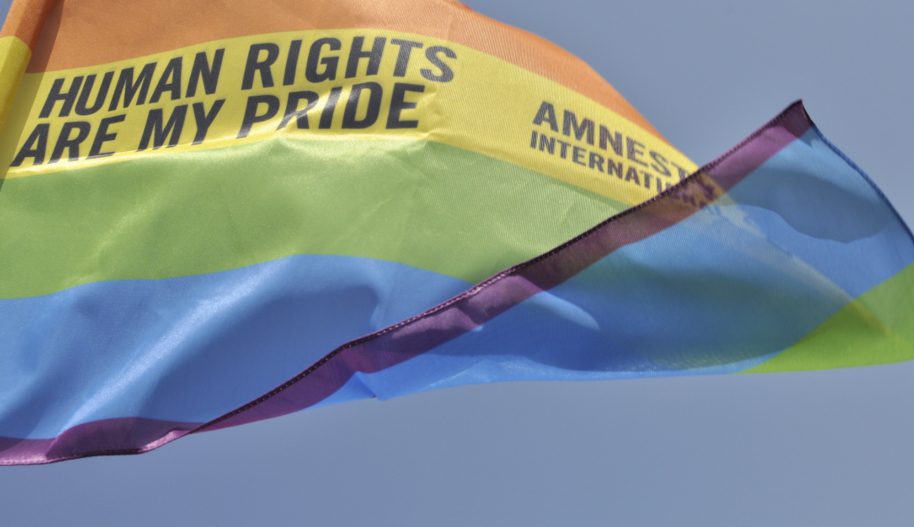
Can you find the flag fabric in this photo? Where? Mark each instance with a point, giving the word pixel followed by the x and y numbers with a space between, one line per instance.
pixel 791 260
pixel 214 216
pixel 198 202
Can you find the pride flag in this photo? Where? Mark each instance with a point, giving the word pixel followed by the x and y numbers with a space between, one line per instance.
pixel 243 213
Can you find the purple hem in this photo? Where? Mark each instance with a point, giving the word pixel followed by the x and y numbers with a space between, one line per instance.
pixel 463 313
pixel 104 437
pixel 476 306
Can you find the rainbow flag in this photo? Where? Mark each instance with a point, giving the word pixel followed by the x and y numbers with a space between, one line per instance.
pixel 249 212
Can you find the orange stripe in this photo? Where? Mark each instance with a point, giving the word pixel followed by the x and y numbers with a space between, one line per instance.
pixel 24 19
pixel 89 32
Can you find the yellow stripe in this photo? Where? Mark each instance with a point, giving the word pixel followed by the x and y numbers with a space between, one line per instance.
pixel 875 328
pixel 14 57
pixel 488 107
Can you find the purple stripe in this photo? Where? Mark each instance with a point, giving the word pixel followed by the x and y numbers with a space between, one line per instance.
pixel 128 435
pixel 445 322
pixel 505 290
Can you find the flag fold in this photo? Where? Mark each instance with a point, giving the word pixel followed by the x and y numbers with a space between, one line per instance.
pixel 194 219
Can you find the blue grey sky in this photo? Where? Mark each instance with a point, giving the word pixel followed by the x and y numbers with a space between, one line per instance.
pixel 825 448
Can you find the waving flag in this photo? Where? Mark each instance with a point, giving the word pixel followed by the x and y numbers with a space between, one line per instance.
pixel 200 206
pixel 781 255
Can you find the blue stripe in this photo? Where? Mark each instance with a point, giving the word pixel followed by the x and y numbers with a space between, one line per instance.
pixel 720 292
pixel 192 348
pixel 811 203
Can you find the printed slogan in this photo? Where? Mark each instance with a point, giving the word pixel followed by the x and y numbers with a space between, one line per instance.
pixel 325 63
pixel 332 84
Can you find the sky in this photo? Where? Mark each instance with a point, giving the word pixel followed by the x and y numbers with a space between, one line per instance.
pixel 824 448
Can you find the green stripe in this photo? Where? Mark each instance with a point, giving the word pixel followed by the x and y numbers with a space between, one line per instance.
pixel 421 203
pixel 876 328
